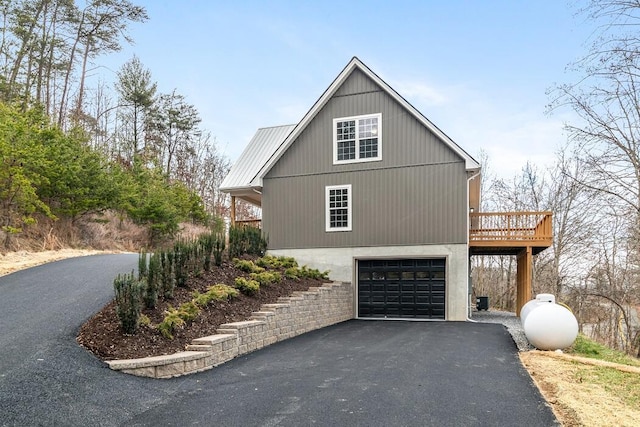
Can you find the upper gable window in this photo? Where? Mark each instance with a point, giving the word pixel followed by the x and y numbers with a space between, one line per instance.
pixel 357 139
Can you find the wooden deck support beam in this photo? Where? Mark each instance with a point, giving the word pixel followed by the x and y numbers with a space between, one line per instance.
pixel 522 234
pixel 233 211
pixel 523 278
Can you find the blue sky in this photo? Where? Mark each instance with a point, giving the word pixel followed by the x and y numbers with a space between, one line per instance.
pixel 478 69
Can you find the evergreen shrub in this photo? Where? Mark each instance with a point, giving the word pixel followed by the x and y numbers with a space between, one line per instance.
pixel 247 286
pixel 245 240
pixel 129 293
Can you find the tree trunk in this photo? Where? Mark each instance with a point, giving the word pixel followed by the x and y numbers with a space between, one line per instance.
pixel 83 74
pixel 67 77
pixel 24 47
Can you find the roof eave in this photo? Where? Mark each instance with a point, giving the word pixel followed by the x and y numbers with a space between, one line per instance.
pixel 244 189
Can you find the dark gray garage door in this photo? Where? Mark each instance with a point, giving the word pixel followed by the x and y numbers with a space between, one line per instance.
pixel 403 288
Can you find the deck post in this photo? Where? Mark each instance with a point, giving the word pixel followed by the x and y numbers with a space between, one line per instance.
pixel 523 278
pixel 233 211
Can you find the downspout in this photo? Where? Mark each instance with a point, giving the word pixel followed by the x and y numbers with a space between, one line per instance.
pixel 468 319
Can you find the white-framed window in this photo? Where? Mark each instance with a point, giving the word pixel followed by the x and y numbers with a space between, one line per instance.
pixel 357 139
pixel 338 207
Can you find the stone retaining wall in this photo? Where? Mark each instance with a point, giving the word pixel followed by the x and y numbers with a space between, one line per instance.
pixel 302 312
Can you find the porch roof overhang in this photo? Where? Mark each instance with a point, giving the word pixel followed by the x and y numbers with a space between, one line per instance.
pixel 239 182
pixel 251 195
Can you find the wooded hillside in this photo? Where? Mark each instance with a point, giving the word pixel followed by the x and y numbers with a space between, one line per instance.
pixel 69 152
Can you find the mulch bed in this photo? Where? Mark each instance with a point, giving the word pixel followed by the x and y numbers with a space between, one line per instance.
pixel 103 336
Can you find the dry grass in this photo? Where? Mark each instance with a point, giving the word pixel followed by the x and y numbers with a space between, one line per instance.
pixel 55 240
pixel 585 392
pixel 100 232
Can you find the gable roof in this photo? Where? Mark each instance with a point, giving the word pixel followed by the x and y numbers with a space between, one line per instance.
pixel 269 144
pixel 470 162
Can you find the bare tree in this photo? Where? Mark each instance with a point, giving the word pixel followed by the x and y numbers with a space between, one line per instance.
pixel 605 140
pixel 99 27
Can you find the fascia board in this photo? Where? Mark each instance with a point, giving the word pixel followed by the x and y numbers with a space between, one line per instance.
pixel 328 93
pixel 470 162
pixel 246 189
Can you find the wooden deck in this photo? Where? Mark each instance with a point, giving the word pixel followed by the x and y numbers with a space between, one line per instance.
pixel 508 233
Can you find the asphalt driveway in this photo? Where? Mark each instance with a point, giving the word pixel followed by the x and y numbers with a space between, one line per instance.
pixel 366 373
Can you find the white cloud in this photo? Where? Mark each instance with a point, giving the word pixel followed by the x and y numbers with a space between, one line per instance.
pixel 421 92
pixel 511 131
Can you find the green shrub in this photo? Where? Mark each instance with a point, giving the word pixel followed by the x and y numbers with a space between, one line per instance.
pixel 153 281
pixel 176 318
pixel 172 321
pixel 270 261
pixel 214 293
pixel 292 273
pixel 246 240
pixel 305 272
pixel 223 292
pixel 206 242
pixel 128 301
pixel 247 265
pixel 188 311
pixel 312 273
pixel 287 262
pixel 142 265
pixel 218 250
pixel 212 245
pixel 247 286
pixel 144 320
pixel 201 300
pixel 267 277
pixel 181 255
pixel 267 261
pixel 168 276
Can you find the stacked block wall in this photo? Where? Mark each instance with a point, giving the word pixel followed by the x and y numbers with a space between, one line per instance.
pixel 291 316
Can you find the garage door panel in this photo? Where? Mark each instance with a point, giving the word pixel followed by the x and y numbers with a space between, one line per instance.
pixel 423 287
pixel 408 299
pixel 407 288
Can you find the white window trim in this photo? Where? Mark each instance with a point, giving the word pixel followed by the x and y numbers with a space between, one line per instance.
pixel 328 227
pixel 357 160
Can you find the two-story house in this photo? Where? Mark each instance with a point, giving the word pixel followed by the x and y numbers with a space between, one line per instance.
pixel 367 187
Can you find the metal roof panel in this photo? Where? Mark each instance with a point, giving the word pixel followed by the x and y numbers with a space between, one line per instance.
pixel 261 147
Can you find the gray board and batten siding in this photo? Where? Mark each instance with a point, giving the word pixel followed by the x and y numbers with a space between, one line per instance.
pixel 417 193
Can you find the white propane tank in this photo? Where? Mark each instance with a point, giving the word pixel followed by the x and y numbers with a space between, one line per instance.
pixel 550 327
pixel 531 305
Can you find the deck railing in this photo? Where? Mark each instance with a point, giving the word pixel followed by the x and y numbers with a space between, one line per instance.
pixel 511 226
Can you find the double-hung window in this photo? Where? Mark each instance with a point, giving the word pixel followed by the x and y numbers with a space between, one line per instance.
pixel 338 207
pixel 357 139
